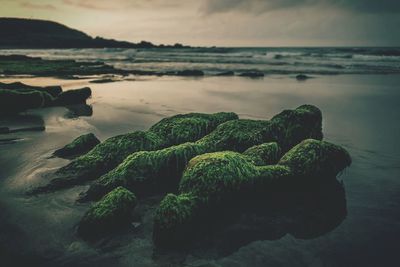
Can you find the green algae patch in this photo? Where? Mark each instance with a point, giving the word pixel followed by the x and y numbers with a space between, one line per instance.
pixel 215 174
pixel 264 154
pixel 113 211
pixel 290 127
pixel 316 158
pixel 173 216
pixel 190 127
pixel 236 135
pixel 109 154
pixel 78 146
pixel 156 169
pixel 147 172
pixel 222 178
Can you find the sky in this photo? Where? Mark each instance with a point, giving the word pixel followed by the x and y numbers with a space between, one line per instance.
pixel 224 22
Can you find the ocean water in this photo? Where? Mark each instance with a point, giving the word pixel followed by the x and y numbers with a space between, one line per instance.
pixel 355 224
pixel 339 60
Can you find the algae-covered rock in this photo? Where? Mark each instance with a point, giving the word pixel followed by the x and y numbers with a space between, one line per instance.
pixel 72 97
pixel 189 127
pixel 313 158
pixel 264 154
pixel 107 155
pixel 156 169
pixel 12 101
pixel 146 172
pixel 54 91
pixel 79 146
pixel 216 179
pixel 113 211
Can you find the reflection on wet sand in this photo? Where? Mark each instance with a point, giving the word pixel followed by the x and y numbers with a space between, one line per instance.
pixel 305 213
pixel 82 110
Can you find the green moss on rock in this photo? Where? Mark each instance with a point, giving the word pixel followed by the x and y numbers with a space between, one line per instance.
pixel 290 127
pixel 12 101
pixel 190 127
pixel 316 158
pixel 109 214
pixel 107 155
pixel 264 154
pixel 78 146
pixel 216 179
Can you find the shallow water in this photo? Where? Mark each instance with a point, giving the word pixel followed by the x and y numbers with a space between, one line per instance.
pixel 360 112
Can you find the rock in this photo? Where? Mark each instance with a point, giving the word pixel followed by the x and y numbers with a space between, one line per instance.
pixel 194 73
pixel 216 179
pixel 13 101
pixel 72 97
pixel 149 172
pixel 54 91
pixel 225 73
pixel 302 77
pixel 79 146
pixel 107 155
pixel 107 80
pixel 264 154
pixel 252 74
pixel 108 215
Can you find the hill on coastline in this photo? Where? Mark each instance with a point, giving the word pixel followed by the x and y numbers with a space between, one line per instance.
pixel 32 33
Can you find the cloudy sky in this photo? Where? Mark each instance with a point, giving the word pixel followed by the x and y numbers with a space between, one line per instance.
pixel 225 22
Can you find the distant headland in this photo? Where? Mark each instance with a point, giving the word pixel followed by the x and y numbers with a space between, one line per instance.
pixel 17 33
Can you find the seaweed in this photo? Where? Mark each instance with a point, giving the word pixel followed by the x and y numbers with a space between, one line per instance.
pixel 113 211
pixel 78 146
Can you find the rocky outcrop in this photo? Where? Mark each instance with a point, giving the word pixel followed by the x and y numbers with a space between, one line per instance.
pixel 216 179
pixel 77 147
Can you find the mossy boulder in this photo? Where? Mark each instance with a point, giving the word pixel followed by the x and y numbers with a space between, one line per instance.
pixel 189 127
pixel 12 101
pixel 72 97
pixel 264 154
pixel 147 172
pixel 107 155
pixel 218 179
pixel 78 146
pixel 54 91
pixel 163 169
pixel 111 213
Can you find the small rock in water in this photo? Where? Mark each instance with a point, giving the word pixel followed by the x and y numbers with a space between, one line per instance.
pixel 302 77
pixel 225 73
pixel 252 74
pixel 190 73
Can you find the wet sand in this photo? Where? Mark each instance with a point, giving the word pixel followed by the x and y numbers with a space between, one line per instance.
pixel 360 112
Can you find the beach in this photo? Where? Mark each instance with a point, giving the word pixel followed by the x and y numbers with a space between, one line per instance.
pixel 360 113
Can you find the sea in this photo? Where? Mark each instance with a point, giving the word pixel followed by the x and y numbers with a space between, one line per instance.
pixel 315 60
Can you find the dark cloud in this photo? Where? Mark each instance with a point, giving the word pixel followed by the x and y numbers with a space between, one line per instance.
pixel 261 6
